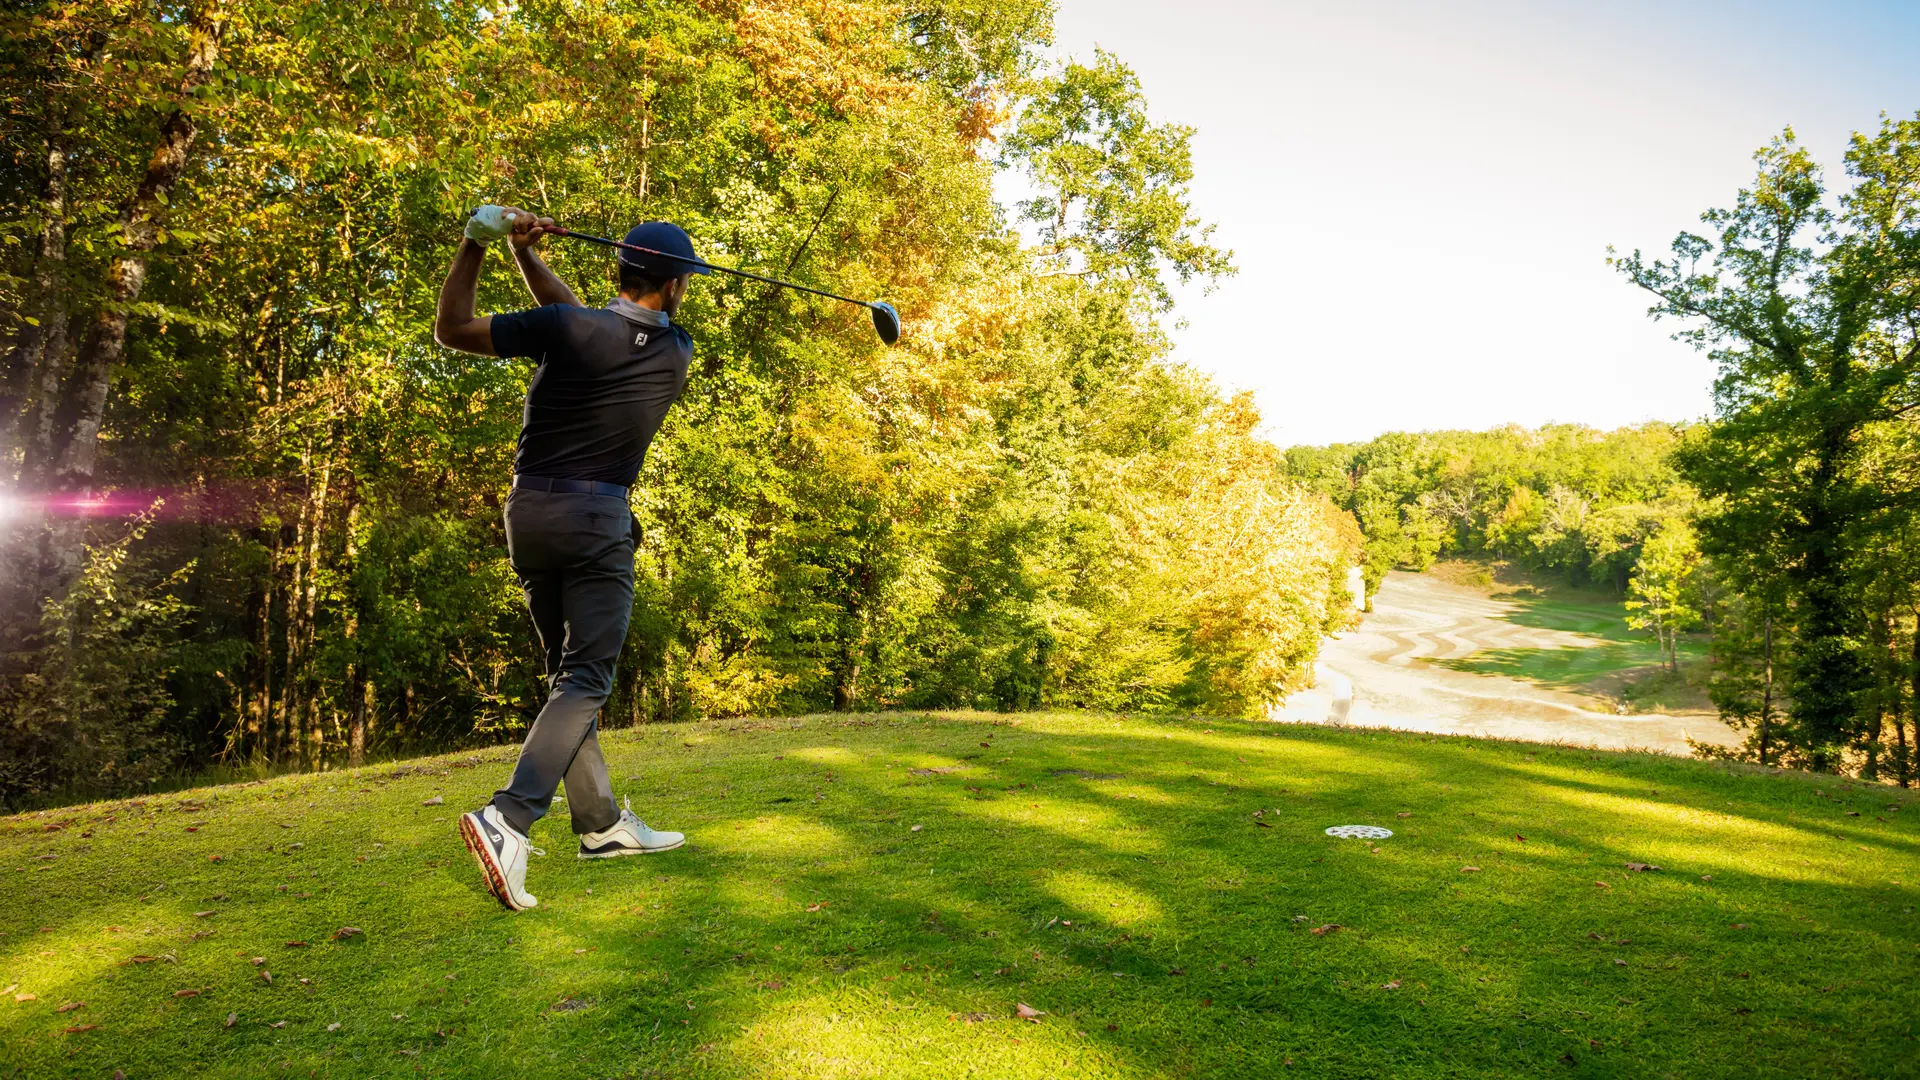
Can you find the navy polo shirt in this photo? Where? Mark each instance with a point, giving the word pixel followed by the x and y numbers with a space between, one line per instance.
pixel 605 381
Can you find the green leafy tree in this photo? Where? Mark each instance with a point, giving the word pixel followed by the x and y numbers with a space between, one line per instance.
pixel 1113 201
pixel 1661 597
pixel 1809 311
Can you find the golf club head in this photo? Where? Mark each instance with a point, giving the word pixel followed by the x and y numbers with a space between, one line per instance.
pixel 886 321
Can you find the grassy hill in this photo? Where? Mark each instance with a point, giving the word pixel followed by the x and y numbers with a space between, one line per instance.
pixel 875 896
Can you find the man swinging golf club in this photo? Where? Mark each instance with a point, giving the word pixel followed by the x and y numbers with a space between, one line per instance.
pixel 605 379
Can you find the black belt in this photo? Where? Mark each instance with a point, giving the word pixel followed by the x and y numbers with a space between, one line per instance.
pixel 574 487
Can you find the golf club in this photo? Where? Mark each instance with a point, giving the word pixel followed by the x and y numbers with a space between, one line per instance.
pixel 885 320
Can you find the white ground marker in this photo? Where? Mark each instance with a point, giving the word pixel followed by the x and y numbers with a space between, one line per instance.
pixel 1359 832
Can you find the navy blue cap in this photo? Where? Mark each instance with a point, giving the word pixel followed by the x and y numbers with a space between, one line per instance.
pixel 668 239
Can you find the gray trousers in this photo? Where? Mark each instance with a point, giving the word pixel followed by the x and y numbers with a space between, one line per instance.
pixel 573 554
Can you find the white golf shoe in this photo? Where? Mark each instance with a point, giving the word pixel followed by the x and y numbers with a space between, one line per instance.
pixel 502 854
pixel 628 836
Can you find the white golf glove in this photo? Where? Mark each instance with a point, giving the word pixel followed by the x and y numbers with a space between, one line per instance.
pixel 489 223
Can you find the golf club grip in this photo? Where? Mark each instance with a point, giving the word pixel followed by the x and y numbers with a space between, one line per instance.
pixel 557 230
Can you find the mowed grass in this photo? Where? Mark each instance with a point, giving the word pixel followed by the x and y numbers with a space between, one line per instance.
pixel 1163 891
pixel 1615 650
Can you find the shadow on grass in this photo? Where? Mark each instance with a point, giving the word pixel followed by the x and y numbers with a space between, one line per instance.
pixel 810 930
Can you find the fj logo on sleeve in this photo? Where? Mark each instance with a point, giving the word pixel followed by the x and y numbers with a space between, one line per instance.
pixel 639 339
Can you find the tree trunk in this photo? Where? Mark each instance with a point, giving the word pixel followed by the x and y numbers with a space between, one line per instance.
pixel 1827 673
pixel 1766 690
pixel 1913 706
pixel 259 683
pixel 316 738
pixel 78 427
pixel 366 715
pixel 360 693
pixel 846 687
pixel 286 731
pixel 39 356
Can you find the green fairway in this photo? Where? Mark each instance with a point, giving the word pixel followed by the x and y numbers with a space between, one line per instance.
pixel 1615 654
pixel 874 896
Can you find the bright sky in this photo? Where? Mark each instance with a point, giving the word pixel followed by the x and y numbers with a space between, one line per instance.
pixel 1420 195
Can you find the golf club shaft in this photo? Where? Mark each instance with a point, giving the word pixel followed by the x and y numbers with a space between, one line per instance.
pixel 590 238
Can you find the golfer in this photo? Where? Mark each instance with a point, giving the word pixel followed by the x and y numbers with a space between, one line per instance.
pixel 605 379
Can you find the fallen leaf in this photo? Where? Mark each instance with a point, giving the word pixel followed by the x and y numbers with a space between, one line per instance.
pixel 1469 869
pixel 1594 936
pixel 1394 985
pixel 1602 885
pixel 1025 1011
pixel 201 914
pixel 1206 1003
pixel 233 1018
pixel 818 906
pixel 278 1024
pixel 1617 962
pixel 186 993
pixel 1520 838
pixel 215 858
pixel 773 984
pixel 1332 927
pixel 1113 1027
pixel 78 1028
pixel 266 976
pixel 1404 813
pixel 917 828
pixel 335 1026
pixel 1740 926
pixel 26 997
pixel 1640 867
pixel 1263 824
pixel 258 960
pixel 140 959
pixel 435 801
pixel 346 932
pixel 1177 971
pixel 1706 877
pixel 296 944
pixel 70 1006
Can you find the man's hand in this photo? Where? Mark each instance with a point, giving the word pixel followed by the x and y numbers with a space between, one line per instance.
pixel 542 282
pixel 527 228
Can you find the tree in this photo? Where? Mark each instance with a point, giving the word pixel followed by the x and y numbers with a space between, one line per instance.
pixel 989 515
pixel 1113 200
pixel 1810 313
pixel 1661 597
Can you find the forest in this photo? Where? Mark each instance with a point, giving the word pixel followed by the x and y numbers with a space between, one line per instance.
pixel 250 512
pixel 254 511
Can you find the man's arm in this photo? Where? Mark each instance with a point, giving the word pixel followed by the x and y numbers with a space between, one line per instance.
pixel 454 324
pixel 542 282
